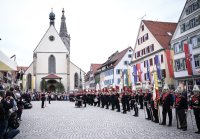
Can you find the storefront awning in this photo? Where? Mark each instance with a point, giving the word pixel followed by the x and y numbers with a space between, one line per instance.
pixel 6 64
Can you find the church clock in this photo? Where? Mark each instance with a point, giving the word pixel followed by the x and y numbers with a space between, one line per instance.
pixel 51 38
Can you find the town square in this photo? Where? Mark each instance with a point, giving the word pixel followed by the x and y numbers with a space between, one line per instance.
pixel 100 69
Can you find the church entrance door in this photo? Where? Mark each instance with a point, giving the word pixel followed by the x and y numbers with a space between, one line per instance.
pixel 52 88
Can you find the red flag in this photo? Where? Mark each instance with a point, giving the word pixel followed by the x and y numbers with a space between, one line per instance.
pixel 139 72
pixel 169 57
pixel 188 59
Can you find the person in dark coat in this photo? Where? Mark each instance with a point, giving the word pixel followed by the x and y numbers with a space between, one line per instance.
pixel 43 99
pixel 117 101
pixel 140 98
pixel 85 99
pixel 181 106
pixel 195 105
pixel 112 99
pixel 134 102
pixel 49 97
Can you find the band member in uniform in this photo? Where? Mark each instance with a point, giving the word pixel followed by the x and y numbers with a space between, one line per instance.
pixel 112 99
pixel 181 106
pixel 134 106
pixel 117 101
pixel 195 104
pixel 154 108
pixel 147 99
pixel 141 98
pixel 167 105
pixel 49 97
pixel 85 98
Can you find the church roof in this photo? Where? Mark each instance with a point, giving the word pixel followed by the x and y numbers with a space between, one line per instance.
pixel 51 76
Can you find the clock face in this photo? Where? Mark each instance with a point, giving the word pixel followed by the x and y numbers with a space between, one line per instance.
pixel 51 38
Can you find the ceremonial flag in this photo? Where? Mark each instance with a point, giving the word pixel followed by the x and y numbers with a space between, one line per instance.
pixel 148 71
pixel 188 59
pixel 155 89
pixel 139 72
pixel 129 76
pixel 135 74
pixel 170 58
pixel 157 62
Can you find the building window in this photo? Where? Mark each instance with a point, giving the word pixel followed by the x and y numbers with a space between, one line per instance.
pixel 52 64
pixel 118 81
pixel 182 28
pixel 135 55
pixel 129 50
pixel 130 56
pixel 180 65
pixel 117 71
pixel 190 24
pixel 151 62
pixel 162 60
pixel 178 48
pixel 197 61
pixel 76 80
pixel 145 76
pixel 146 37
pixel 147 50
pixel 152 48
pixel 125 62
pixel 193 7
pixel 142 27
pixel 145 63
pixel 195 41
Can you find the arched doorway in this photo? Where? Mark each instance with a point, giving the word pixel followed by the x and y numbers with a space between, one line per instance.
pixel 52 88
pixel 51 85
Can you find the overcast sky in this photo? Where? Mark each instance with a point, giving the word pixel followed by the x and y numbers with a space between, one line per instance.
pixel 98 28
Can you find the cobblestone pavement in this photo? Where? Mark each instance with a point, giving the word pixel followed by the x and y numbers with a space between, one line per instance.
pixel 61 120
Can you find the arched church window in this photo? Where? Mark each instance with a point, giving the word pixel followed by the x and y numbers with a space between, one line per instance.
pixel 29 81
pixel 76 80
pixel 52 64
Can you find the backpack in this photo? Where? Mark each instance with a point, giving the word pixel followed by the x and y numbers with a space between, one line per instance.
pixel 13 121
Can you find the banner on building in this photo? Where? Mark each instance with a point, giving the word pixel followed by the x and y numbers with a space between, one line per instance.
pixel 188 59
pixel 170 62
pixel 158 69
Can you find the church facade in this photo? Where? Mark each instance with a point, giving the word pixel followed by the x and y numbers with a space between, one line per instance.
pixel 51 69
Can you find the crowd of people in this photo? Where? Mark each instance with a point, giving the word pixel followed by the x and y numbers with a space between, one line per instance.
pixel 128 99
pixel 11 107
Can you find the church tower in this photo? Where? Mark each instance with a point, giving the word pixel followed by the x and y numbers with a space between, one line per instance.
pixel 66 40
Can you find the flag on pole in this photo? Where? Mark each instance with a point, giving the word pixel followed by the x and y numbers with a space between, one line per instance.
pixel 170 58
pixel 139 71
pixel 148 71
pixel 157 62
pixel 135 74
pixel 188 59
pixel 155 89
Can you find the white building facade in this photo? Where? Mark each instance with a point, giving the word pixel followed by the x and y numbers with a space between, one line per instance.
pixel 116 70
pixel 187 32
pixel 51 62
pixel 152 43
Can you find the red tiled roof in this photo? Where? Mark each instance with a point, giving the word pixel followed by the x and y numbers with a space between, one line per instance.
pixel 115 58
pixel 160 31
pixel 21 67
pixel 95 67
pixel 51 76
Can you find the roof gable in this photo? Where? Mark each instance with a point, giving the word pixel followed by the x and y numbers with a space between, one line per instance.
pixel 115 58
pixel 162 31
pixel 94 67
pixel 46 45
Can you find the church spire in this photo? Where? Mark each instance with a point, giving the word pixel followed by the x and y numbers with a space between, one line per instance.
pixel 51 17
pixel 63 31
pixel 63 28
